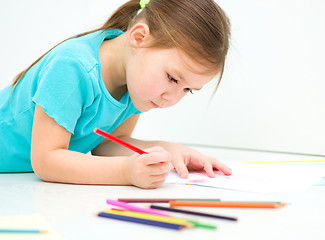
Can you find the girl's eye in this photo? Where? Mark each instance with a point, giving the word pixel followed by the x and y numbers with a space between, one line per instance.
pixel 176 81
pixel 172 79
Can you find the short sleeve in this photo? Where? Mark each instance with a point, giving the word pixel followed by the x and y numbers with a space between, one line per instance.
pixel 62 91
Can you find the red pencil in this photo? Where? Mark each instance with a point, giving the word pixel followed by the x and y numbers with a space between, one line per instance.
pixel 119 141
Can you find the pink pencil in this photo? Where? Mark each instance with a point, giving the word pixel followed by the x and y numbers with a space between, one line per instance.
pixel 119 141
pixel 131 207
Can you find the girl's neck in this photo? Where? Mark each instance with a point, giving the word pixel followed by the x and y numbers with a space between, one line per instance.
pixel 112 55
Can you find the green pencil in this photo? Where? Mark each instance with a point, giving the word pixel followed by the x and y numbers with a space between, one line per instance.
pixel 203 225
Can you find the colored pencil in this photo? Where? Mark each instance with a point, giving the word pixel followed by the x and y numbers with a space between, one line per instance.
pixel 289 161
pixel 178 221
pixel 163 200
pixel 141 221
pixel 226 204
pixel 136 208
pixel 193 213
pixel 144 215
pixel 22 231
pixel 118 140
pixel 202 225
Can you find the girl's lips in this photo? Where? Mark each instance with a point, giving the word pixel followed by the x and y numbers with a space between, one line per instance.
pixel 154 105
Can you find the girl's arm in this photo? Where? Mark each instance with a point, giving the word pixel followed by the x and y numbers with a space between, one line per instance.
pixel 53 162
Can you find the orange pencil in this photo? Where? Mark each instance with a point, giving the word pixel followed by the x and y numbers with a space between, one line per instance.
pixel 226 204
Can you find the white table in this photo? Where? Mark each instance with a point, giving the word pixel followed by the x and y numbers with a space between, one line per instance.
pixel 70 209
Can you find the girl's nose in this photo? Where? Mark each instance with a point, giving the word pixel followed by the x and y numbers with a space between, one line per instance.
pixel 171 98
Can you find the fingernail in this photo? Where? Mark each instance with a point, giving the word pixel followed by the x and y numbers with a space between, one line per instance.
pixel 183 175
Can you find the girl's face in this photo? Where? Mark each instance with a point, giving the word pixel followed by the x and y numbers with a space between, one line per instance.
pixel 159 78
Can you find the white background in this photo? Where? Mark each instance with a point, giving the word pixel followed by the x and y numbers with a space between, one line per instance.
pixel 271 96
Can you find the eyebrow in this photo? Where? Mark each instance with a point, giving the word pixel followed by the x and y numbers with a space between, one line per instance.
pixel 178 73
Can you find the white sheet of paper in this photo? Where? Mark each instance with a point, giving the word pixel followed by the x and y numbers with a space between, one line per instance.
pixel 257 177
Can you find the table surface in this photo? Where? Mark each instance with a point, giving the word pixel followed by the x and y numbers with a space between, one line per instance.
pixel 71 209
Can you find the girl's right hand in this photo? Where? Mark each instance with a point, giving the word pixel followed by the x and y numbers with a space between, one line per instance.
pixel 148 170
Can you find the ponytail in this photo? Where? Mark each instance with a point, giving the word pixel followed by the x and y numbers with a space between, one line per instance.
pixel 123 16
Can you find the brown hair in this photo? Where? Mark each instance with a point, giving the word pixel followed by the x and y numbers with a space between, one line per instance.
pixel 199 28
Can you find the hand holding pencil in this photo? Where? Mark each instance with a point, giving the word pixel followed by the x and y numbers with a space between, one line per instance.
pixel 148 170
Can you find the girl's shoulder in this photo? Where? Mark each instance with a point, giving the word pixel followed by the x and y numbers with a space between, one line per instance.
pixel 82 49
pixel 85 49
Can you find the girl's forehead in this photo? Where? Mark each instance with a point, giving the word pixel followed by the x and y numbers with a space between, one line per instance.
pixel 182 62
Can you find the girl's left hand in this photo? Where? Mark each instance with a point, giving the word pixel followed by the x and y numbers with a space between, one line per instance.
pixel 185 159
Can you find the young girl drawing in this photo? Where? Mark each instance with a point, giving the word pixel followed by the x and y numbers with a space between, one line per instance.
pixel 139 60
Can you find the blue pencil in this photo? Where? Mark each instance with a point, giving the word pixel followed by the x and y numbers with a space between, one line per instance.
pixel 22 231
pixel 141 221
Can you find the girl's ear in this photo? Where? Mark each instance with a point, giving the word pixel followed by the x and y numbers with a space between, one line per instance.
pixel 139 35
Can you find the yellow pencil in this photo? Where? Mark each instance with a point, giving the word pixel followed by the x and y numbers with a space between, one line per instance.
pixel 151 217
pixel 288 161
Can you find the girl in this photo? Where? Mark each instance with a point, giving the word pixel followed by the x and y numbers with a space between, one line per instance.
pixel 105 78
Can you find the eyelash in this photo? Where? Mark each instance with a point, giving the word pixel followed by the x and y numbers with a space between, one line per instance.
pixel 176 81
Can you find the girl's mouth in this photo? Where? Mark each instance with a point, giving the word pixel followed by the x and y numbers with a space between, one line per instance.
pixel 154 105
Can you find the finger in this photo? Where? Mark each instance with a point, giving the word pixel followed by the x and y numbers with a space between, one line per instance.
pixel 155 157
pixel 155 184
pixel 209 169
pixel 181 169
pixel 158 183
pixel 152 181
pixel 154 149
pixel 161 150
pixel 221 167
pixel 158 178
pixel 160 168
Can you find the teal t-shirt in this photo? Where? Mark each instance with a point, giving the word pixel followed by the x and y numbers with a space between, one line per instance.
pixel 68 84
